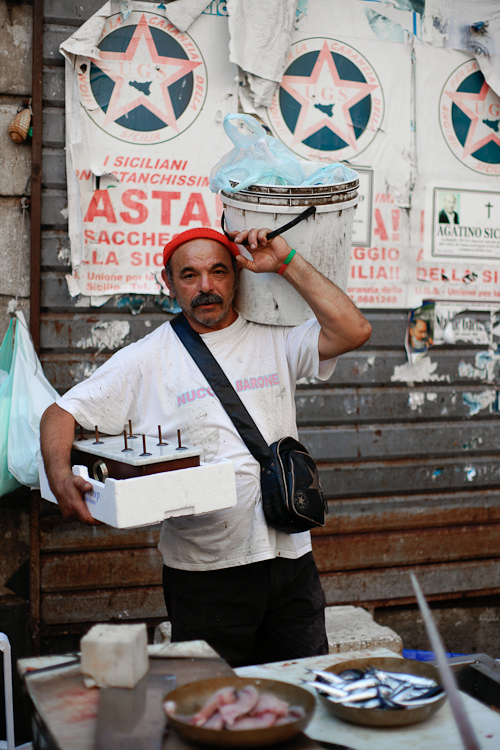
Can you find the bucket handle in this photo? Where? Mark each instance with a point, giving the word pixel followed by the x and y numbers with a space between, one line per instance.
pixel 310 211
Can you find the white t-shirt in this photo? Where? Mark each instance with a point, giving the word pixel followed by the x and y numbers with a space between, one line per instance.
pixel 154 381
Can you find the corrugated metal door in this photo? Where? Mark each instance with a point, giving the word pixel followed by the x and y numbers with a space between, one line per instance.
pixel 412 477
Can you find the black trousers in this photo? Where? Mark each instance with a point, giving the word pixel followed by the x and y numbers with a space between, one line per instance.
pixel 251 614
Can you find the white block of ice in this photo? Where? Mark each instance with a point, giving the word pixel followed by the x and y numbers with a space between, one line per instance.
pixel 115 655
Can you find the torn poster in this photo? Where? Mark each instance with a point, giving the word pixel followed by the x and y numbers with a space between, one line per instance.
pixel 418 123
pixel 438 323
pixel 456 199
pixel 463 323
pixel 144 110
pixel 346 96
pixel 473 27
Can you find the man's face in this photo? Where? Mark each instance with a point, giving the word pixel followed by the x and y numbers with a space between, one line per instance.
pixel 204 284
pixel 419 330
pixel 449 203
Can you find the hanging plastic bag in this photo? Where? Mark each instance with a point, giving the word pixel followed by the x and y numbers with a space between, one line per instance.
pixel 256 159
pixel 31 395
pixel 331 174
pixel 8 483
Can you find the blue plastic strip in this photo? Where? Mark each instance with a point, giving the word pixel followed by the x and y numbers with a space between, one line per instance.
pixel 424 655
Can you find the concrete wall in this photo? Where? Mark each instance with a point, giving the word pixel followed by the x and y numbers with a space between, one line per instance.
pixel 15 170
pixel 15 159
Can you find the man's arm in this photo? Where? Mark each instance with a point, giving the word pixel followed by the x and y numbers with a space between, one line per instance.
pixel 343 327
pixel 57 431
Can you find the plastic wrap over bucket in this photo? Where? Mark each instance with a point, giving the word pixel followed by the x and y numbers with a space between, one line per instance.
pixel 324 239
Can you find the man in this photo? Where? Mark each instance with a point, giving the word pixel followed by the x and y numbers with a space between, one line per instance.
pixel 420 339
pixel 252 592
pixel 448 215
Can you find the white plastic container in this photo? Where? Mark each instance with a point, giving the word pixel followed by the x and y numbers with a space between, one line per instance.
pixel 149 499
pixel 323 239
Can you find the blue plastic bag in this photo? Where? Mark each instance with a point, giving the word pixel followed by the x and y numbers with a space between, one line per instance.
pixel 31 395
pixel 8 483
pixel 331 174
pixel 256 159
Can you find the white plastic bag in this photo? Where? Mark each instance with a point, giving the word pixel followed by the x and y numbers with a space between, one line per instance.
pixel 256 159
pixel 8 483
pixel 31 395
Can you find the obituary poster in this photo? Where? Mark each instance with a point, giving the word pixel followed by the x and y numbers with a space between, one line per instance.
pixel 466 223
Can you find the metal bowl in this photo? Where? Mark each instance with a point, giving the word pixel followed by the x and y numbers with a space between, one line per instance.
pixel 192 697
pixel 379 717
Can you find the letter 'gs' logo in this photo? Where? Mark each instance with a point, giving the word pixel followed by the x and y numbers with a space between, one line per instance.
pixel 329 105
pixel 469 115
pixel 148 83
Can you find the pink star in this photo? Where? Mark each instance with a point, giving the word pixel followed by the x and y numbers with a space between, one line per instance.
pixel 141 63
pixel 485 134
pixel 328 89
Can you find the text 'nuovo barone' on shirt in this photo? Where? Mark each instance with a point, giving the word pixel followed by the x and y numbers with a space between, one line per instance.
pixel 246 384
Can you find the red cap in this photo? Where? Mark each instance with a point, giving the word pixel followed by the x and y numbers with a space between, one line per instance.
pixel 194 234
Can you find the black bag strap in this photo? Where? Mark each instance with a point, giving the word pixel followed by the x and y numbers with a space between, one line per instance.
pixel 234 406
pixel 309 211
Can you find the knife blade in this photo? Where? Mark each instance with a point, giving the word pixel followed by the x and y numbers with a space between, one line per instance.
pixel 133 719
pixel 464 726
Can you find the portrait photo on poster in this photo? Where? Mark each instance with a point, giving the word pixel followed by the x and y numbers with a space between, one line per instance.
pixel 448 213
pixel 420 331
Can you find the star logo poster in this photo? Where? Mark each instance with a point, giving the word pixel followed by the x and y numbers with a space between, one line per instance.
pixel 149 83
pixel 469 115
pixel 143 132
pixel 330 104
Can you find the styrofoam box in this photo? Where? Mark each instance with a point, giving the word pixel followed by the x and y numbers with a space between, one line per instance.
pixel 149 499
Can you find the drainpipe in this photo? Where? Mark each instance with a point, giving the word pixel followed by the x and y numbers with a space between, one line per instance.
pixel 35 264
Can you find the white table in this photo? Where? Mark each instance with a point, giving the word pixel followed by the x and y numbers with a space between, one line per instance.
pixel 437 733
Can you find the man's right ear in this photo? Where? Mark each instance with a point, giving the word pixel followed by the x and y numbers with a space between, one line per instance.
pixel 167 283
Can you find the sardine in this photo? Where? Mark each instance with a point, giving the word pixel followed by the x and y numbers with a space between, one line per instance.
pixel 416 702
pixel 352 674
pixel 406 693
pixel 372 703
pixel 360 695
pixel 367 682
pixel 412 679
pixel 330 690
pixel 385 680
pixel 330 677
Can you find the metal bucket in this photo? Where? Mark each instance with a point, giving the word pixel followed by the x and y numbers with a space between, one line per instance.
pixel 323 239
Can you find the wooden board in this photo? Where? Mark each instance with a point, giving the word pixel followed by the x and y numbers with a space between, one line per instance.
pixel 415 547
pixel 377 587
pixel 59 535
pixel 102 605
pixel 102 569
pixel 392 512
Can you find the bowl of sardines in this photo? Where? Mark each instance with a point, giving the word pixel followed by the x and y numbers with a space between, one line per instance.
pixel 379 692
pixel 239 711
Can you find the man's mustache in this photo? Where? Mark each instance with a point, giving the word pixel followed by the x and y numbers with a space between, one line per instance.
pixel 206 299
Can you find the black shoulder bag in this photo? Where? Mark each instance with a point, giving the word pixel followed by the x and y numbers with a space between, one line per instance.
pixel 292 497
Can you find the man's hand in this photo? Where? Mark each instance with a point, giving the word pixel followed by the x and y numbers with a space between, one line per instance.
pixel 343 327
pixel 267 257
pixel 69 492
pixel 57 431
